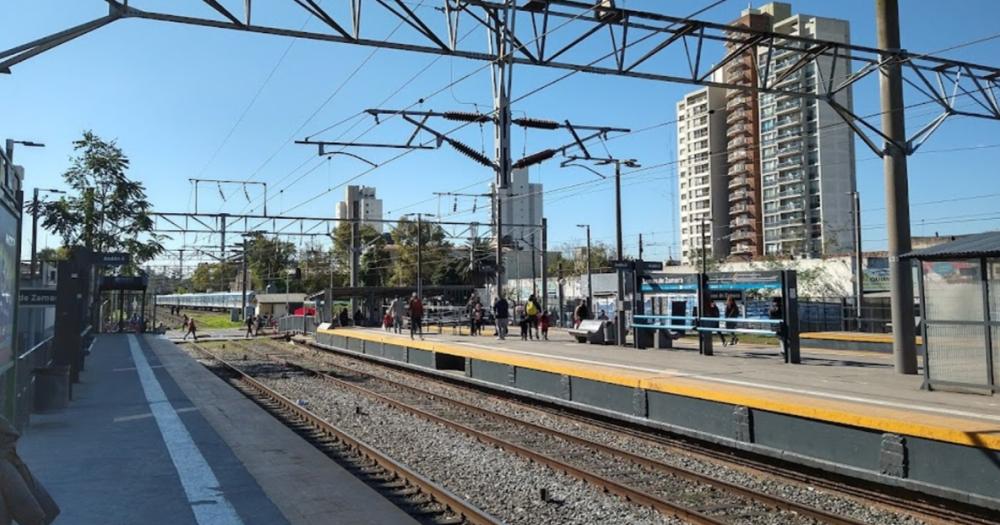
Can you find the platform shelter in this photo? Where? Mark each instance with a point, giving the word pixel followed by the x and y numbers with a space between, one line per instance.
pixel 961 314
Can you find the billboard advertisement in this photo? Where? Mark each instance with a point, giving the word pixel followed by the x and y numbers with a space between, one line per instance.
pixel 8 282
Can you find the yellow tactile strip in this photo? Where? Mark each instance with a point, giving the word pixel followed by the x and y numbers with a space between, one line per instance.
pixel 858 337
pixel 952 429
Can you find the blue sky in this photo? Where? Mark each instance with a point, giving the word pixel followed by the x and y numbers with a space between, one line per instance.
pixel 171 94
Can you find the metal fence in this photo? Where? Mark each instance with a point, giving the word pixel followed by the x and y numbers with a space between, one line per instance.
pixel 839 314
pixel 305 324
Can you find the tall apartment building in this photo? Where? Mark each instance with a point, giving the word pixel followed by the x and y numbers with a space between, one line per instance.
pixel 807 153
pixel 522 204
pixel 701 172
pixel 788 162
pixel 369 207
pixel 743 139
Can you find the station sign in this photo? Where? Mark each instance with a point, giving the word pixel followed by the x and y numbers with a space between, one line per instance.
pixel 623 265
pixel 111 258
pixel 36 297
pixel 744 280
pixel 652 266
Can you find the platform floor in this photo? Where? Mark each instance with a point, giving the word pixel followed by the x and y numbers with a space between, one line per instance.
pixel 153 437
pixel 857 378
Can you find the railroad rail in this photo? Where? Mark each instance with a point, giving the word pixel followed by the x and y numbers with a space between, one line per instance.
pixel 398 480
pixel 510 434
pixel 920 506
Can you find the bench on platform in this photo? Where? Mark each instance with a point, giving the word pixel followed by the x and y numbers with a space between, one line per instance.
pixel 589 331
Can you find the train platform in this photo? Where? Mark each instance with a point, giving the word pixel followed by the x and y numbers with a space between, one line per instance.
pixel 153 437
pixel 843 411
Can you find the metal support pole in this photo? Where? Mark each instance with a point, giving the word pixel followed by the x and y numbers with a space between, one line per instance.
pixel 859 272
pixel 897 199
pixel 590 278
pixel 34 233
pixel 355 241
pixel 545 264
pixel 561 302
pixel 501 71
pixel 704 248
pixel 499 235
pixel 243 283
pixel 420 256
pixel 620 316
pixel 534 267
pixel 640 247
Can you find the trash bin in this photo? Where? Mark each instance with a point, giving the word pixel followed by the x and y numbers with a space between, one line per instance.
pixel 51 388
pixel 643 337
pixel 664 338
pixel 610 334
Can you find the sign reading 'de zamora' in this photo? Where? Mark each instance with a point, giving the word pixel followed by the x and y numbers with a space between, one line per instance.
pixel 36 297
pixel 112 259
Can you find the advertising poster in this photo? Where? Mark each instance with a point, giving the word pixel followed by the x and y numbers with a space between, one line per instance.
pixel 8 282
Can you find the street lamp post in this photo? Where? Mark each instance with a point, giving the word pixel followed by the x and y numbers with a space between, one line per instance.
pixel 620 317
pixel 590 276
pixel 34 227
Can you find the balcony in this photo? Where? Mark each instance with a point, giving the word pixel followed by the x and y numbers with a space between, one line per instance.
pixel 739 182
pixel 741 102
pixel 738 129
pixel 788 121
pixel 737 169
pixel 743 236
pixel 789 149
pixel 737 155
pixel 744 248
pixel 738 142
pixel 790 163
pixel 737 65
pixel 789 134
pixel 737 115
pixel 788 105
pixel 740 195
pixel 741 221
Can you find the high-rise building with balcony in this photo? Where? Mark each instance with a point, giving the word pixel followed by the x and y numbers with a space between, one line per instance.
pixel 701 145
pixel 369 208
pixel 806 150
pixel 786 162
pixel 743 138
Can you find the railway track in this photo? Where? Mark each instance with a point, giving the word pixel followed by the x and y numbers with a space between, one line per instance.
pixel 685 494
pixel 419 496
pixel 919 506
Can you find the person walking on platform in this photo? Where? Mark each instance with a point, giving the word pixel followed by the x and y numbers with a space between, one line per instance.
pixel 416 316
pixel 581 313
pixel 713 314
pixel 344 321
pixel 250 322
pixel 398 308
pixel 532 310
pixel 192 329
pixel 544 322
pixel 501 312
pixel 477 319
pixel 732 312
pixel 776 314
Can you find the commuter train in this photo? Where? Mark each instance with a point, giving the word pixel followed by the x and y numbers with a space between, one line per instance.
pixel 223 301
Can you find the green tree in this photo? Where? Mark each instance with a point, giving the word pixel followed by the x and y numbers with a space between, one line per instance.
pixel 213 277
pixel 435 252
pixel 375 262
pixel 575 259
pixel 268 259
pixel 109 212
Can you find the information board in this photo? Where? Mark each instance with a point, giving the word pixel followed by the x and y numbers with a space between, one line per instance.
pixel 8 282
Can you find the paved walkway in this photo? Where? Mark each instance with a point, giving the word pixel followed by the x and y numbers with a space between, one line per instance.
pixel 152 437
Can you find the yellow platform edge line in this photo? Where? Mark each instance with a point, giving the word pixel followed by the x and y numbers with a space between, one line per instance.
pixel 979 434
pixel 858 337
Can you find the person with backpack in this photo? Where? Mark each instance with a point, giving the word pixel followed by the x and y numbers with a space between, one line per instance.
pixel 532 310
pixel 581 313
pixel 192 330
pixel 250 324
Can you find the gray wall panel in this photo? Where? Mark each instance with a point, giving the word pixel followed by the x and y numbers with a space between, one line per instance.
pixel 966 468
pixel 488 371
pixel 696 414
pixel 539 382
pixel 420 357
pixel 841 444
pixel 395 352
pixel 605 395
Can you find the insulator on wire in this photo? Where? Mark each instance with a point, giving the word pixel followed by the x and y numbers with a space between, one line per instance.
pixel 475 202
pixel 454 206
pixel 535 158
pixel 529 122
pixel 465 116
pixel 469 152
pixel 221 194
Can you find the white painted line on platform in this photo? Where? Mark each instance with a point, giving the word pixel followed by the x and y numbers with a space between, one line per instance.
pixel 201 486
pixel 815 393
pixel 121 419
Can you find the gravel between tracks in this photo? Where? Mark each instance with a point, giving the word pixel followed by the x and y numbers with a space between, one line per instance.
pixel 501 483
pixel 803 494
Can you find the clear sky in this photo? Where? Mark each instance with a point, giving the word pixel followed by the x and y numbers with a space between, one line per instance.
pixel 174 95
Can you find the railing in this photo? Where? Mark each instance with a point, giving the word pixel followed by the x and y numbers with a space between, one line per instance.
pixel 305 324
pixel 707 324
pixel 38 356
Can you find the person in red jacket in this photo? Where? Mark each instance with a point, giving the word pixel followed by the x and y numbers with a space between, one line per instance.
pixel 416 316
pixel 543 324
